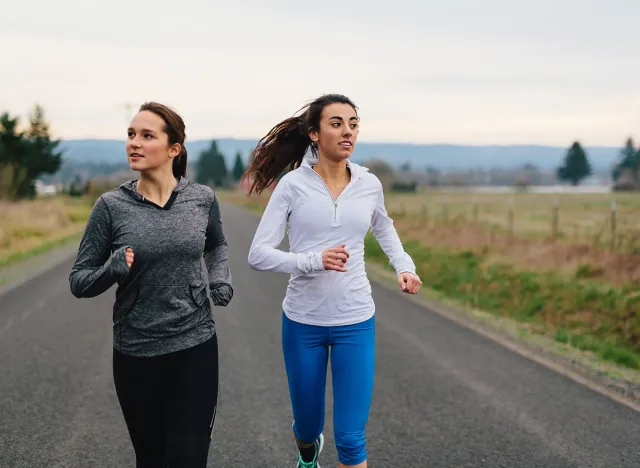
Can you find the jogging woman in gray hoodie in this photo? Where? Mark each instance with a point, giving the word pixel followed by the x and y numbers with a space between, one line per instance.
pixel 149 236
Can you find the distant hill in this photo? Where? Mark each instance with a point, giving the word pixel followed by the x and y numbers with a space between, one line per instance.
pixel 419 156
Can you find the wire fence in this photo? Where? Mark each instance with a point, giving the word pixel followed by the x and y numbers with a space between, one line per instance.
pixel 604 228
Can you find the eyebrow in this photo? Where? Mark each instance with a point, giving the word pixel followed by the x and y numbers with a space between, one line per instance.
pixel 340 118
pixel 145 130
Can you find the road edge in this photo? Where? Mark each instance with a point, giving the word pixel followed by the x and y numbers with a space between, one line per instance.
pixel 618 390
pixel 19 273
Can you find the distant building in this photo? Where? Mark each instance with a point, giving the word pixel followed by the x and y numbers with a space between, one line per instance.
pixel 45 190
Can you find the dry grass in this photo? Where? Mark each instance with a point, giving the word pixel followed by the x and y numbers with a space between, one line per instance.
pixel 26 226
pixel 578 260
pixel 238 197
pixel 582 218
pixel 582 246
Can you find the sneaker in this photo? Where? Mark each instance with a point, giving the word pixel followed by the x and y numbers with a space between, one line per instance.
pixel 312 464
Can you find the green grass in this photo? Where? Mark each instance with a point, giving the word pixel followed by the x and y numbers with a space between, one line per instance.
pixel 587 315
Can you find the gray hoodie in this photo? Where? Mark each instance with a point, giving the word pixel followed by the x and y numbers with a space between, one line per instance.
pixel 161 303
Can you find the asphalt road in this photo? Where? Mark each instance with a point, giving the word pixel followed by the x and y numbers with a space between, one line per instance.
pixel 445 397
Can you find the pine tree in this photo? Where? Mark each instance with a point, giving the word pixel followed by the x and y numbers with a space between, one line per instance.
pixel 576 165
pixel 238 168
pixel 43 157
pixel 211 168
pixel 629 161
pixel 25 155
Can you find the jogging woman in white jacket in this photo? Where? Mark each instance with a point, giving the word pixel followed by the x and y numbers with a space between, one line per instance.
pixel 327 204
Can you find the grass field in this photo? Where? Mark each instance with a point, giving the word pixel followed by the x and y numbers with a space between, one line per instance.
pixel 34 226
pixel 583 218
pixel 566 281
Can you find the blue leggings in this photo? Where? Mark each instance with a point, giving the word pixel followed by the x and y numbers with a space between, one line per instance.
pixel 306 351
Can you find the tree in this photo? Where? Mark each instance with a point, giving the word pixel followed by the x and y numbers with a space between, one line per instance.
pixel 531 174
pixel 43 157
pixel 576 165
pixel 211 168
pixel 629 162
pixel 381 169
pixel 433 175
pixel 238 168
pixel 25 155
pixel 13 148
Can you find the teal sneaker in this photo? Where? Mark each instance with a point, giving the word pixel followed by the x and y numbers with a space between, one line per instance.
pixel 312 464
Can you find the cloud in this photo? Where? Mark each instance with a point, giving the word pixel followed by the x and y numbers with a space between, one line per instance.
pixel 462 71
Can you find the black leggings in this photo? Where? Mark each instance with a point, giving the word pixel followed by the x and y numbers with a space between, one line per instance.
pixel 169 404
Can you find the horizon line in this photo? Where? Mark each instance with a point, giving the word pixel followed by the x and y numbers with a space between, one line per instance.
pixel 383 142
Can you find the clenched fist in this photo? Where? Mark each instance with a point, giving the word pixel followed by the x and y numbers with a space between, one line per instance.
pixel 409 283
pixel 128 254
pixel 335 258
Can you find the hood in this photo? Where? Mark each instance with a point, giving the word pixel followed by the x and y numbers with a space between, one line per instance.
pixel 129 187
pixel 357 170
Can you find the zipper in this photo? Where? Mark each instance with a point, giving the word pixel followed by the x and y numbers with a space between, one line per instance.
pixel 335 201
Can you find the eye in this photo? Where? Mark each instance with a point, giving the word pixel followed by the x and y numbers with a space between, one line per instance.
pixel 148 135
pixel 130 134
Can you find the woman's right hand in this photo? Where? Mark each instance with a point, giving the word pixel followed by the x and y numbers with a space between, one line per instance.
pixel 335 258
pixel 128 254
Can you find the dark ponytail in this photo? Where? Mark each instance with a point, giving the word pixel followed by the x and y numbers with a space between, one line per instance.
pixel 281 149
pixel 284 147
pixel 175 129
pixel 180 163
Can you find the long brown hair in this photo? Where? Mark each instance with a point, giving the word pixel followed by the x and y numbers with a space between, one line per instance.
pixel 174 127
pixel 284 147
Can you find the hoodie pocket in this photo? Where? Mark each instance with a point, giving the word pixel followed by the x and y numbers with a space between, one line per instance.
pixel 124 304
pixel 198 293
pixel 162 310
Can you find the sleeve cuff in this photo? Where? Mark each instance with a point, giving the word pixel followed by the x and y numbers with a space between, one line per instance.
pixel 118 263
pixel 309 262
pixel 222 294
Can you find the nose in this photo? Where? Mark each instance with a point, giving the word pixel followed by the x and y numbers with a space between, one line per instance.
pixel 347 131
pixel 134 142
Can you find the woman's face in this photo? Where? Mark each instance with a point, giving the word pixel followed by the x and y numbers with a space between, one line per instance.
pixel 336 138
pixel 148 145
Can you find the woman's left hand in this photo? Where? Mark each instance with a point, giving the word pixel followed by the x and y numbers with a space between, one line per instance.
pixel 409 283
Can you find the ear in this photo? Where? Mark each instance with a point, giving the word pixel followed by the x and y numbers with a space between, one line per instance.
pixel 314 135
pixel 174 150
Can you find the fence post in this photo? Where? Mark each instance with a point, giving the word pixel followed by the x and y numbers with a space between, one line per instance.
pixel 425 214
pixel 554 218
pixel 613 224
pixel 510 217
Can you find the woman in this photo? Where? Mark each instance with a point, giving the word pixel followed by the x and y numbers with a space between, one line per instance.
pixel 328 204
pixel 149 236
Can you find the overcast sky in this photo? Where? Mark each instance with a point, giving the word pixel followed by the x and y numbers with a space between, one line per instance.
pixel 490 71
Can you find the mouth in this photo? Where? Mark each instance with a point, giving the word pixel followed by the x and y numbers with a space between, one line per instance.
pixel 346 144
pixel 135 156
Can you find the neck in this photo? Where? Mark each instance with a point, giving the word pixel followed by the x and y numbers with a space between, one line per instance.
pixel 156 186
pixel 331 171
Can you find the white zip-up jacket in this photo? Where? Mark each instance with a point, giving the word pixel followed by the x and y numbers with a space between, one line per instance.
pixel 302 203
